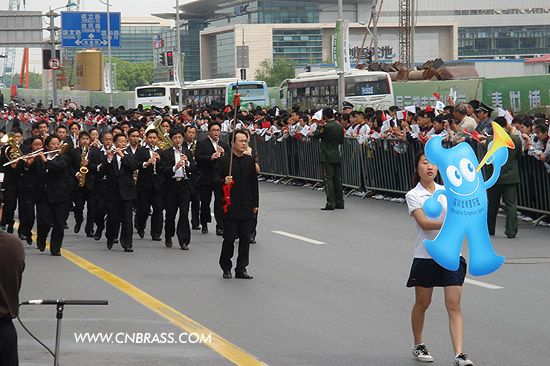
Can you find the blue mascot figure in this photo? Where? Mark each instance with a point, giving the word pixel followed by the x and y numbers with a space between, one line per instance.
pixel 465 190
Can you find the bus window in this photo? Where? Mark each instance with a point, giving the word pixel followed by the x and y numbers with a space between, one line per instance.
pixel 151 92
pixel 366 86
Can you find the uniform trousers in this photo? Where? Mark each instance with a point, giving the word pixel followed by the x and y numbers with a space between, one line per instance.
pixel 232 229
pixel 147 199
pixel 51 213
pixel 119 219
pixel 206 197
pixel 178 197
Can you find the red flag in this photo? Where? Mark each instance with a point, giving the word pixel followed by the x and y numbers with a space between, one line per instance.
pixel 437 96
pixel 227 196
pixel 384 118
pixel 237 100
pixel 475 136
pixel 428 109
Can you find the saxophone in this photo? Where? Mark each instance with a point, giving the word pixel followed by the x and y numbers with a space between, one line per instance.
pixel 83 170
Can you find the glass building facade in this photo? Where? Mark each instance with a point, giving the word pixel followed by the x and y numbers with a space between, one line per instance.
pixel 223 55
pixel 503 41
pixel 299 46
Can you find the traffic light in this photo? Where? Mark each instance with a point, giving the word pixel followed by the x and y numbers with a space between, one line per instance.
pixel 170 58
pixel 162 59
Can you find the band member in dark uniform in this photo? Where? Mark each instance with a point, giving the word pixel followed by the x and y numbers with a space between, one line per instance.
pixel 149 186
pixel 99 186
pixel 207 153
pixel 84 162
pixel 120 192
pixel 239 219
pixel 31 185
pixel 53 206
pixel 10 184
pixel 178 167
pixel 191 143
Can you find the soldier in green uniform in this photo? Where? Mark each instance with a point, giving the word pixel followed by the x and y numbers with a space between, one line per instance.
pixel 506 186
pixel 332 136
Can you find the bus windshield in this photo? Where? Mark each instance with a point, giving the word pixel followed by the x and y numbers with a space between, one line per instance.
pixel 151 92
pixel 250 90
pixel 366 86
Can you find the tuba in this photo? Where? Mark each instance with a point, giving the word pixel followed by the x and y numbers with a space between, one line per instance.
pixel 83 169
pixel 13 150
pixel 164 140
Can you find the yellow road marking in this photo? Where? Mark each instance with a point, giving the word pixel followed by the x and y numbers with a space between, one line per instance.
pixel 220 345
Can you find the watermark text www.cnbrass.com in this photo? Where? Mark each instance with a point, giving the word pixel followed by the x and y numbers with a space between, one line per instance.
pixel 142 338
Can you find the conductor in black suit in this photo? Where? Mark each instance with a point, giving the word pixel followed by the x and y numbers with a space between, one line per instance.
pixel 240 216
pixel 207 153
pixel 150 184
pixel 177 167
pixel 120 192
pixel 54 205
pixel 84 157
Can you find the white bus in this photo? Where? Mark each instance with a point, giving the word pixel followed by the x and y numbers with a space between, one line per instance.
pixel 320 89
pixel 157 95
pixel 222 91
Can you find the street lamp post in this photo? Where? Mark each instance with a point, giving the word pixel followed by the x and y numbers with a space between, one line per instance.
pixel 110 69
pixel 341 75
pixel 52 16
pixel 178 58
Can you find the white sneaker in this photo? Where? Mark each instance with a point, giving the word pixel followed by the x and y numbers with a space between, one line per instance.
pixel 462 360
pixel 421 353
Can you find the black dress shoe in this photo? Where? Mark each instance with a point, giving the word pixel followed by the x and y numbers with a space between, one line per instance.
pixel 56 254
pixel 41 246
pixel 196 228
pixel 141 234
pixel 97 235
pixel 184 246
pixel 243 275
pixel 115 241
pixel 10 229
pixel 89 234
pixel 219 232
pixel 128 250
pixel 327 208
pixel 168 242
pixel 77 227
pixel 110 243
pixel 253 240
pixel 66 227
pixel 29 239
pixel 204 230
pixel 23 237
pixel 227 275
pixel 339 207
pixel 156 238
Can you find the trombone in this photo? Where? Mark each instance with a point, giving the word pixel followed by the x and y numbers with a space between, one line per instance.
pixel 62 150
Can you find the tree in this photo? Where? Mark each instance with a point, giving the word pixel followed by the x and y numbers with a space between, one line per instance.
pixel 35 80
pixel 130 75
pixel 274 72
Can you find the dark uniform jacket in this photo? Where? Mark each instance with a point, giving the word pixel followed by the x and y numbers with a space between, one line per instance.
pixel 147 180
pixel 58 179
pixel 244 192
pixel 203 152
pixel 119 183
pixel 167 163
pixel 332 136
pixel 94 159
pixel 509 173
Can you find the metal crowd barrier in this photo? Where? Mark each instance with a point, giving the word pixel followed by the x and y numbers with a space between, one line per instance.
pixel 383 165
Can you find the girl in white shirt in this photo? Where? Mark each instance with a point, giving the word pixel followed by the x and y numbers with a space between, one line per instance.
pixel 426 273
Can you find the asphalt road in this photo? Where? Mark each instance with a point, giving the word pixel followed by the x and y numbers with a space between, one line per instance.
pixel 335 296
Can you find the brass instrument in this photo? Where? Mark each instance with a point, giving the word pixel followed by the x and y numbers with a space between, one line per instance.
pixel 83 169
pixel 164 142
pixel 135 175
pixel 13 150
pixel 62 150
pixel 193 148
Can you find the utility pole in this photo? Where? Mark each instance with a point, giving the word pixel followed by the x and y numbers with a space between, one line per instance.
pixel 110 74
pixel 52 29
pixel 374 16
pixel 341 56
pixel 178 53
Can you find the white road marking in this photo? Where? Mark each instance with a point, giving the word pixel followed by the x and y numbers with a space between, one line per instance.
pixel 298 237
pixel 483 284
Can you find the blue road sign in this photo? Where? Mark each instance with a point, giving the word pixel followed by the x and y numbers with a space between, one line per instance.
pixel 89 29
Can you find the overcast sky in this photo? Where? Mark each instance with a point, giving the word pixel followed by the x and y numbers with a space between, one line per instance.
pixel 128 8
